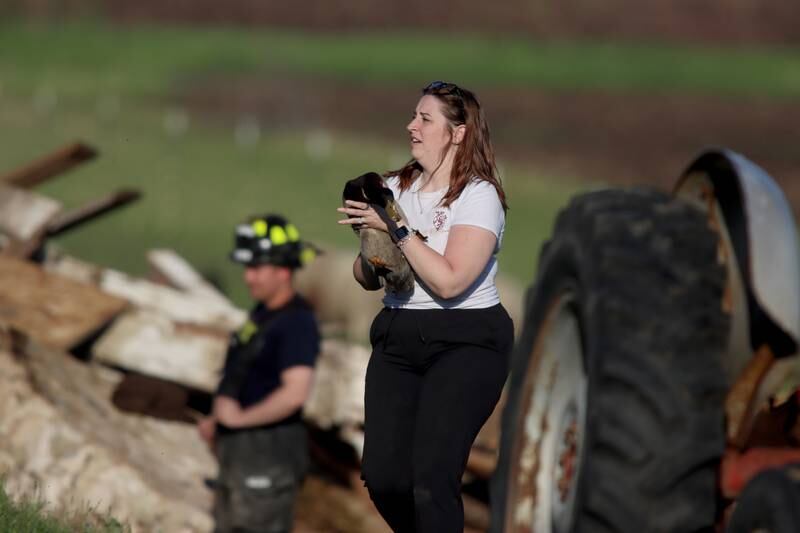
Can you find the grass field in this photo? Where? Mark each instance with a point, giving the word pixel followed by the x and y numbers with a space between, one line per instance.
pixel 81 57
pixel 116 89
pixel 31 516
pixel 198 186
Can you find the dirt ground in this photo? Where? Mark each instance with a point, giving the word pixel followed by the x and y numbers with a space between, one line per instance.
pixel 611 138
pixel 733 22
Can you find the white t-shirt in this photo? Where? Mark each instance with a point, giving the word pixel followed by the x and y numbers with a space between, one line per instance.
pixel 478 205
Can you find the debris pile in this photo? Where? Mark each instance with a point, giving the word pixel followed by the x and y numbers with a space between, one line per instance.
pixel 102 376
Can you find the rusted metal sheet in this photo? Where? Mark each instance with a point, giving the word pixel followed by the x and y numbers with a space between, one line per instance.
pixel 52 309
pixel 767 235
pixel 93 209
pixel 49 166
pixel 150 343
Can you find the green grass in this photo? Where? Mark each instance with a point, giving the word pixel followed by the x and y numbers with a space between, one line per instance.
pixel 31 516
pixel 80 58
pixel 198 186
pixel 113 86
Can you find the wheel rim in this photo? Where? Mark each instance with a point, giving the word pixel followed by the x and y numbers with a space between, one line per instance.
pixel 548 447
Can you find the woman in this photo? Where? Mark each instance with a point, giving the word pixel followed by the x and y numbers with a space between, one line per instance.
pixel 440 352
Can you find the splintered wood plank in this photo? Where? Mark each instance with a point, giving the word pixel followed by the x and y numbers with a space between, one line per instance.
pixel 179 306
pixel 25 214
pixel 177 272
pixel 150 343
pixel 91 210
pixel 50 165
pixel 50 308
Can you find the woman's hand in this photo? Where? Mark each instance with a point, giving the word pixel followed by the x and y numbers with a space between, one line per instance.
pixel 361 215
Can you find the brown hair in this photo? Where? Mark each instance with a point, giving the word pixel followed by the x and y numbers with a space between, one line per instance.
pixel 474 156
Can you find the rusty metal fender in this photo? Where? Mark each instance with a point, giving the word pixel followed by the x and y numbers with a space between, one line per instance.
pixel 763 234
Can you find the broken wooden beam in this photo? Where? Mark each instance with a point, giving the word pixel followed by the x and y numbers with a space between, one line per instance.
pixel 176 272
pixel 91 210
pixel 54 310
pixel 178 306
pixel 24 216
pixel 152 344
pixel 49 166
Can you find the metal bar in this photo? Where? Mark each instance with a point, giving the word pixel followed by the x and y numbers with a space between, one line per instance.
pixel 49 166
pixel 737 469
pixel 739 406
pixel 90 211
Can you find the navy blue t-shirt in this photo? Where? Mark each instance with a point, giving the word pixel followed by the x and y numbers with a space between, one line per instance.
pixel 290 338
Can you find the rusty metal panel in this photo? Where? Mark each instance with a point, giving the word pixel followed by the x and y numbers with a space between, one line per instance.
pixel 770 264
pixel 52 309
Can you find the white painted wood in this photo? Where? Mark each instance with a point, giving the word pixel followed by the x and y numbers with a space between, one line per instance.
pixel 151 343
pixel 72 268
pixel 25 214
pixel 180 274
pixel 337 398
pixel 176 305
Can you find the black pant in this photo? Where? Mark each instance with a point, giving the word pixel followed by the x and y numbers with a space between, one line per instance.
pixel 432 381
pixel 260 472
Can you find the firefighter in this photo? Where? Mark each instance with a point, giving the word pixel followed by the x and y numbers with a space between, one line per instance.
pixel 255 426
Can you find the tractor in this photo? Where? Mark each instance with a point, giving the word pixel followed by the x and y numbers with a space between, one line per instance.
pixel 654 385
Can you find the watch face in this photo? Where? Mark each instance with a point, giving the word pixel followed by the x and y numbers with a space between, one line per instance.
pixel 401 232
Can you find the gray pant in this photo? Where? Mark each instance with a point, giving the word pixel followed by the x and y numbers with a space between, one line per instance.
pixel 260 471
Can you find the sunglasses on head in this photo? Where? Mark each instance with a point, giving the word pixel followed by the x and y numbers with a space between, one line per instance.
pixel 443 87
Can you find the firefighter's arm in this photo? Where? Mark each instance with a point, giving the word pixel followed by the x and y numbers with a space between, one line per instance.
pixel 207 427
pixel 290 396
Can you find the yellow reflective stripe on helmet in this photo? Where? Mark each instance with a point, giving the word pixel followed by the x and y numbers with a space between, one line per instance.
pixel 292 232
pixel 260 228
pixel 278 236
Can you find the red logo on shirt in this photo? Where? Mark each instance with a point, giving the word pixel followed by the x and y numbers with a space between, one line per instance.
pixel 439 218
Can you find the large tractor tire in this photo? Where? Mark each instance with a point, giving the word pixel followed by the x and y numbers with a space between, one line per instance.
pixel 614 420
pixel 770 503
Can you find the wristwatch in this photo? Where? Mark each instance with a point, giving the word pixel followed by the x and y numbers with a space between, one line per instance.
pixel 401 235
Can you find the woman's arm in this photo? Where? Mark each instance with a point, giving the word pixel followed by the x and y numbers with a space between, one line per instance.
pixel 365 275
pixel 468 250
